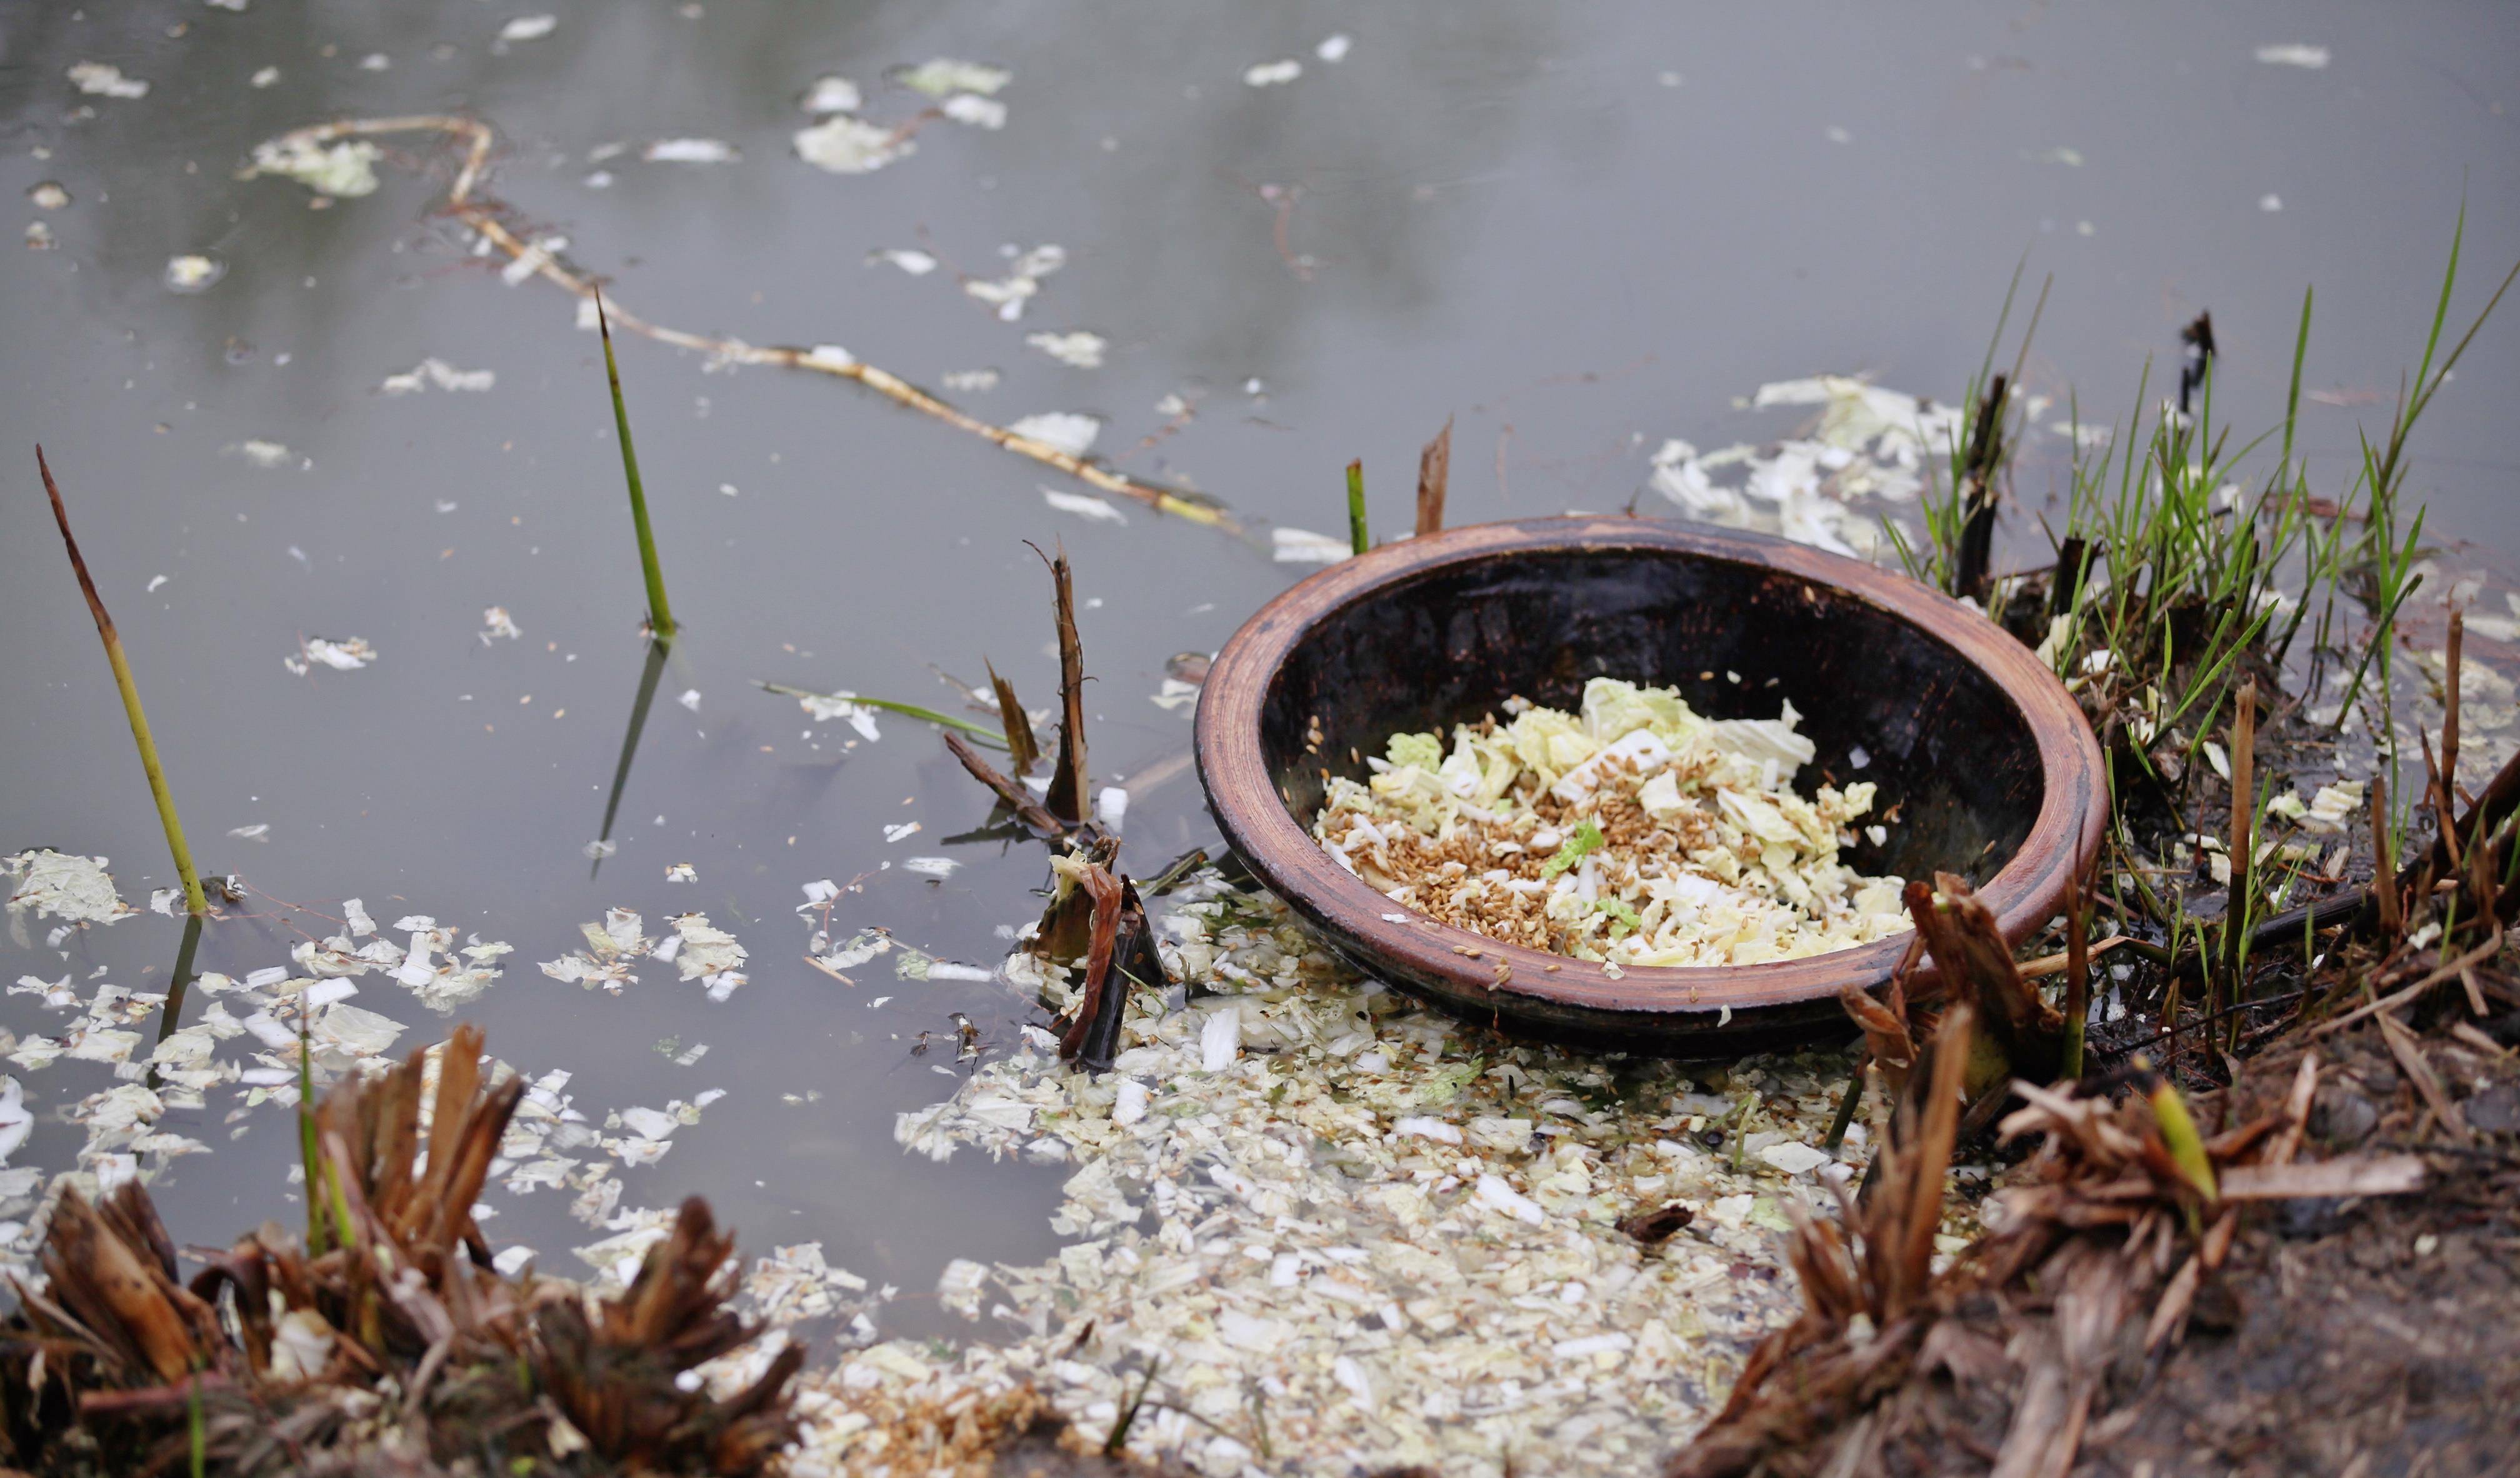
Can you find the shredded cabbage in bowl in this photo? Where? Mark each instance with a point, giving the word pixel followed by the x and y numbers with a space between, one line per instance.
pixel 1634 832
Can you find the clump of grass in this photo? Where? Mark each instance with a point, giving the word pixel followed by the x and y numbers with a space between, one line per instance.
pixel 2185 579
pixel 194 902
pixel 660 614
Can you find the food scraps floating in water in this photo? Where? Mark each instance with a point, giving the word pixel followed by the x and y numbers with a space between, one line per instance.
pixel 1320 1220
pixel 1634 832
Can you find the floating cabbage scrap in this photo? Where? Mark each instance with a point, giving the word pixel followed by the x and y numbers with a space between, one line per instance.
pixel 1867 443
pixel 1412 1249
pixel 699 950
pixel 343 654
pixel 1634 832
pixel 438 372
pixel 844 144
pixel 62 885
pixel 345 169
pixel 102 79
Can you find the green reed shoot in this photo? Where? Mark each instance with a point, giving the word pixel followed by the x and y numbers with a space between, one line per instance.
pixel 194 901
pixel 661 616
pixel 1356 535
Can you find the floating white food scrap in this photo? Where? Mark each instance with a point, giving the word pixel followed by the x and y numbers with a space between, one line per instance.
pixel 901 830
pixel 342 654
pixel 846 145
pixel 102 79
pixel 958 1287
pixel 438 372
pixel 262 454
pixel 1428 1129
pixel 263 76
pixel 347 168
pixel 689 151
pixel 969 381
pixel 194 272
pixel 528 28
pixel 973 109
pixel 931 867
pixel 831 357
pixel 706 954
pixel 1793 1158
pixel 48 195
pixel 1301 546
pixel 259 832
pixel 1069 431
pixel 1079 348
pixel 826 706
pixel 682 871
pixel 1502 1198
pixel 1274 74
pixel 908 259
pixel 690 700
pixel 49 884
pixel 832 94
pixel 1084 506
pixel 497 623
pixel 942 75
pixel 1220 1039
pixel 39 236
pixel 1334 47
pixel 16 1122
pixel 1111 806
pixel 2293 54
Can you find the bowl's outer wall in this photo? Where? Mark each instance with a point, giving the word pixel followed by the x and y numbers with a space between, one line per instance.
pixel 1981 757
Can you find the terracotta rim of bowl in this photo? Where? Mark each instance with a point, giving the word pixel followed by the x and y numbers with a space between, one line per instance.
pixel 2025 893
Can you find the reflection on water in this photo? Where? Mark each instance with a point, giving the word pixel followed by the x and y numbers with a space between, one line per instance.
pixel 1579 231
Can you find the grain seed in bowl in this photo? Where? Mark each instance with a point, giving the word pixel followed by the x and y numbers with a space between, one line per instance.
pixel 1633 831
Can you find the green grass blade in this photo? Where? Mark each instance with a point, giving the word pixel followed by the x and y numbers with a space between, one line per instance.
pixel 995 737
pixel 660 615
pixel 1356 535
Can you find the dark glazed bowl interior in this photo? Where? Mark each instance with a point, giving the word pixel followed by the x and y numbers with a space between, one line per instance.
pixel 1984 765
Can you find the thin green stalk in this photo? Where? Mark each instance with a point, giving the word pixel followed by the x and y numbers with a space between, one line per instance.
pixel 1356 535
pixel 981 732
pixel 661 616
pixel 198 1428
pixel 2292 397
pixel 194 902
pixel 317 1244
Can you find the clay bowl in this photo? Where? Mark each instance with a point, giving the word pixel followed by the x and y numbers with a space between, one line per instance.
pixel 1992 770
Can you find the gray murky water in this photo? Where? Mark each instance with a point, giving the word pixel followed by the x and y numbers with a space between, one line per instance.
pixel 1578 230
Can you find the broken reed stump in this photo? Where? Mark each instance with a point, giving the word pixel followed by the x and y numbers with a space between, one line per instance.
pixel 1023 750
pixel 1434 477
pixel 2023 1037
pixel 400 1349
pixel 1097 924
pixel 1068 795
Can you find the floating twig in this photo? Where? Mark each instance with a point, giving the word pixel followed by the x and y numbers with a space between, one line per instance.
pixel 1017 800
pixel 483 212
